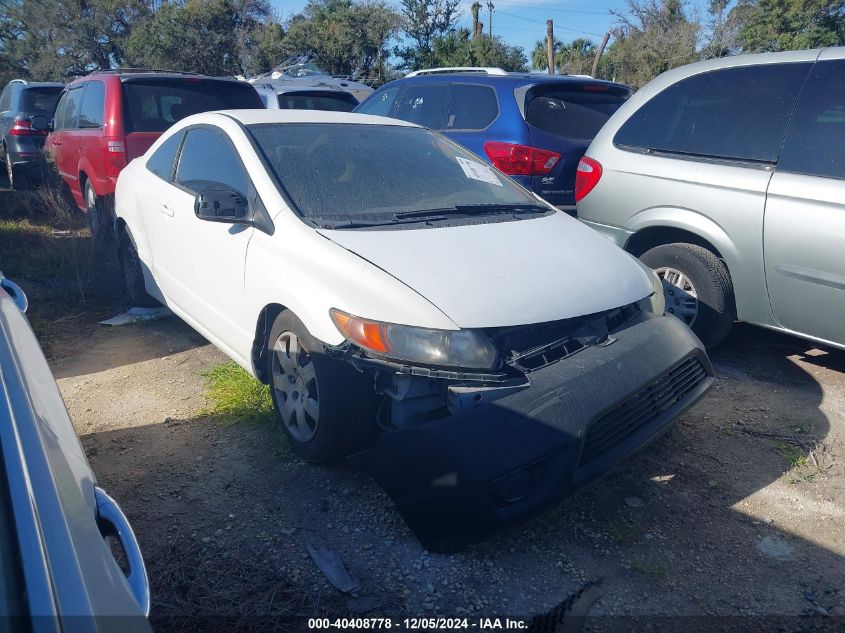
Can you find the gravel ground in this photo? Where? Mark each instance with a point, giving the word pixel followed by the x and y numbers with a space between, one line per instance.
pixel 737 512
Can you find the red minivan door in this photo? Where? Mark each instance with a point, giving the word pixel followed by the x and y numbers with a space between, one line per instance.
pixel 60 143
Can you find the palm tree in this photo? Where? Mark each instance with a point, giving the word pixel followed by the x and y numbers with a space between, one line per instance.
pixel 576 58
pixel 539 59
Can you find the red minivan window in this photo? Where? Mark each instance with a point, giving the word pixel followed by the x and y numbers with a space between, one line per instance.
pixel 153 105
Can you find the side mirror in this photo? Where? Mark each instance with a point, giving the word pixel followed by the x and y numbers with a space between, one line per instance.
pixel 40 123
pixel 220 205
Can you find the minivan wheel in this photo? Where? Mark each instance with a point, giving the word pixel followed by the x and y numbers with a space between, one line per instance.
pixel 97 220
pixel 325 407
pixel 697 287
pixel 133 275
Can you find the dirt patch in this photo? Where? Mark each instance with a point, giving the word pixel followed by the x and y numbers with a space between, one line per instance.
pixel 727 515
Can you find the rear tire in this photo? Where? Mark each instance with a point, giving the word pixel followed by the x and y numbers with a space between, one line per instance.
pixel 692 272
pixel 326 407
pixel 11 172
pixel 133 274
pixel 98 216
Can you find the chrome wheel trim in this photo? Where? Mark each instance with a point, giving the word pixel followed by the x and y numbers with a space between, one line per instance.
pixel 295 386
pixel 680 293
pixel 93 210
pixel 10 172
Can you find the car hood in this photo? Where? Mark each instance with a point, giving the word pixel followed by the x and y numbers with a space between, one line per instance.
pixel 505 273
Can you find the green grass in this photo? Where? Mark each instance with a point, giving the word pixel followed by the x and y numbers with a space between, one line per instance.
pixel 236 396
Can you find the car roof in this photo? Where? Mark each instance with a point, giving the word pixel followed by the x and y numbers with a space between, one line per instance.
pixel 42 84
pixel 509 79
pixel 142 74
pixel 252 117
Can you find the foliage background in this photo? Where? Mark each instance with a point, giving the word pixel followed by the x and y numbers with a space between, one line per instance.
pixel 381 39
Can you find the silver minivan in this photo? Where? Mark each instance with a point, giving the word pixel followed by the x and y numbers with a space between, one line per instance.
pixel 728 178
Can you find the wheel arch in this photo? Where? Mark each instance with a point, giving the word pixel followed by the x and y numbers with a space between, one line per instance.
pixel 263 325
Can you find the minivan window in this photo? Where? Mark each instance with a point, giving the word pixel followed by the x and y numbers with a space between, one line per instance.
pixel 93 104
pixel 153 105
pixel 371 172
pixel 161 162
pixel 576 112
pixel 40 100
pixel 422 104
pixel 734 113
pixel 381 103
pixel 197 173
pixel 815 142
pixel 68 109
pixel 471 107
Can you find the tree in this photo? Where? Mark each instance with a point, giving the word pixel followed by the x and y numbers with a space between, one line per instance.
pixel 424 21
pixel 655 36
pixel 723 28
pixel 780 25
pixel 576 58
pixel 345 37
pixel 540 56
pixel 54 40
pixel 459 48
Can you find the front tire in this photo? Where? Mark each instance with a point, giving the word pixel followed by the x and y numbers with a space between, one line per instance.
pixel 325 407
pixel 697 287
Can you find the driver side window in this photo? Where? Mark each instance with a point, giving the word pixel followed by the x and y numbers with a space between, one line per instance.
pixel 209 160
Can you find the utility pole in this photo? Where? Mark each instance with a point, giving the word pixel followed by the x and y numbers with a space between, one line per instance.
pixel 599 53
pixel 490 8
pixel 550 45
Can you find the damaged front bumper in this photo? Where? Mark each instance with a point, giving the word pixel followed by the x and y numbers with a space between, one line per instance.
pixel 459 478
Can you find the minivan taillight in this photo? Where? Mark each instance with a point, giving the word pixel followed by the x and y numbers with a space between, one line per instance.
pixel 23 127
pixel 116 157
pixel 520 160
pixel 587 176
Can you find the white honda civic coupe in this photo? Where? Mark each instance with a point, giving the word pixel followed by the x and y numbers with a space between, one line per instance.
pixel 480 353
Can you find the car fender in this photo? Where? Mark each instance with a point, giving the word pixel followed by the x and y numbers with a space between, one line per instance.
pixel 686 220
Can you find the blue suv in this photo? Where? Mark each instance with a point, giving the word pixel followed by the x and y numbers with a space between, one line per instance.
pixel 533 127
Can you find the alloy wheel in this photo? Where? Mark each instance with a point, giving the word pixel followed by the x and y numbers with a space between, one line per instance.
pixel 295 384
pixel 680 293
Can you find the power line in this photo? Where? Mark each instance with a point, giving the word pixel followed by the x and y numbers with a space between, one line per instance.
pixel 563 28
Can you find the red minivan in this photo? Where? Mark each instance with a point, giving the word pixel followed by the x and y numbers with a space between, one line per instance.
pixel 107 118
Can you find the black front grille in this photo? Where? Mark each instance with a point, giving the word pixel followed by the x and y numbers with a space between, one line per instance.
pixel 641 408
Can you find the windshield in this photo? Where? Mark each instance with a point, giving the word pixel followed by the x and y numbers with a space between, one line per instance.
pixel 373 172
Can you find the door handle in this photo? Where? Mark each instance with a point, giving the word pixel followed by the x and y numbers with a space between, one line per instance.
pixel 56 142
pixel 166 210
pixel 109 513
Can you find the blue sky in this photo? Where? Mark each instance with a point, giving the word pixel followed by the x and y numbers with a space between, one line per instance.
pixel 524 22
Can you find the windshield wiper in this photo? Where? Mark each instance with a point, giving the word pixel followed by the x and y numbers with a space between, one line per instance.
pixel 471 210
pixel 351 224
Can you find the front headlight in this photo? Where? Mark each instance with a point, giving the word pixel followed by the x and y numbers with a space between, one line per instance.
pixel 656 301
pixel 467 349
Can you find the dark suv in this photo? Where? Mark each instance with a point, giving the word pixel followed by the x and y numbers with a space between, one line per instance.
pixel 20 101
pixel 107 118
pixel 535 128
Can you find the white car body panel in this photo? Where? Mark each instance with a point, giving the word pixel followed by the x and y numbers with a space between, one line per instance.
pixel 506 273
pixel 219 277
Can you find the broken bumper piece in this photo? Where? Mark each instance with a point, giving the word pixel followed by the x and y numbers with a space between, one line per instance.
pixel 458 479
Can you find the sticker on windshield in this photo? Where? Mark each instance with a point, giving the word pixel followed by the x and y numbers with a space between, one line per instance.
pixel 477 171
